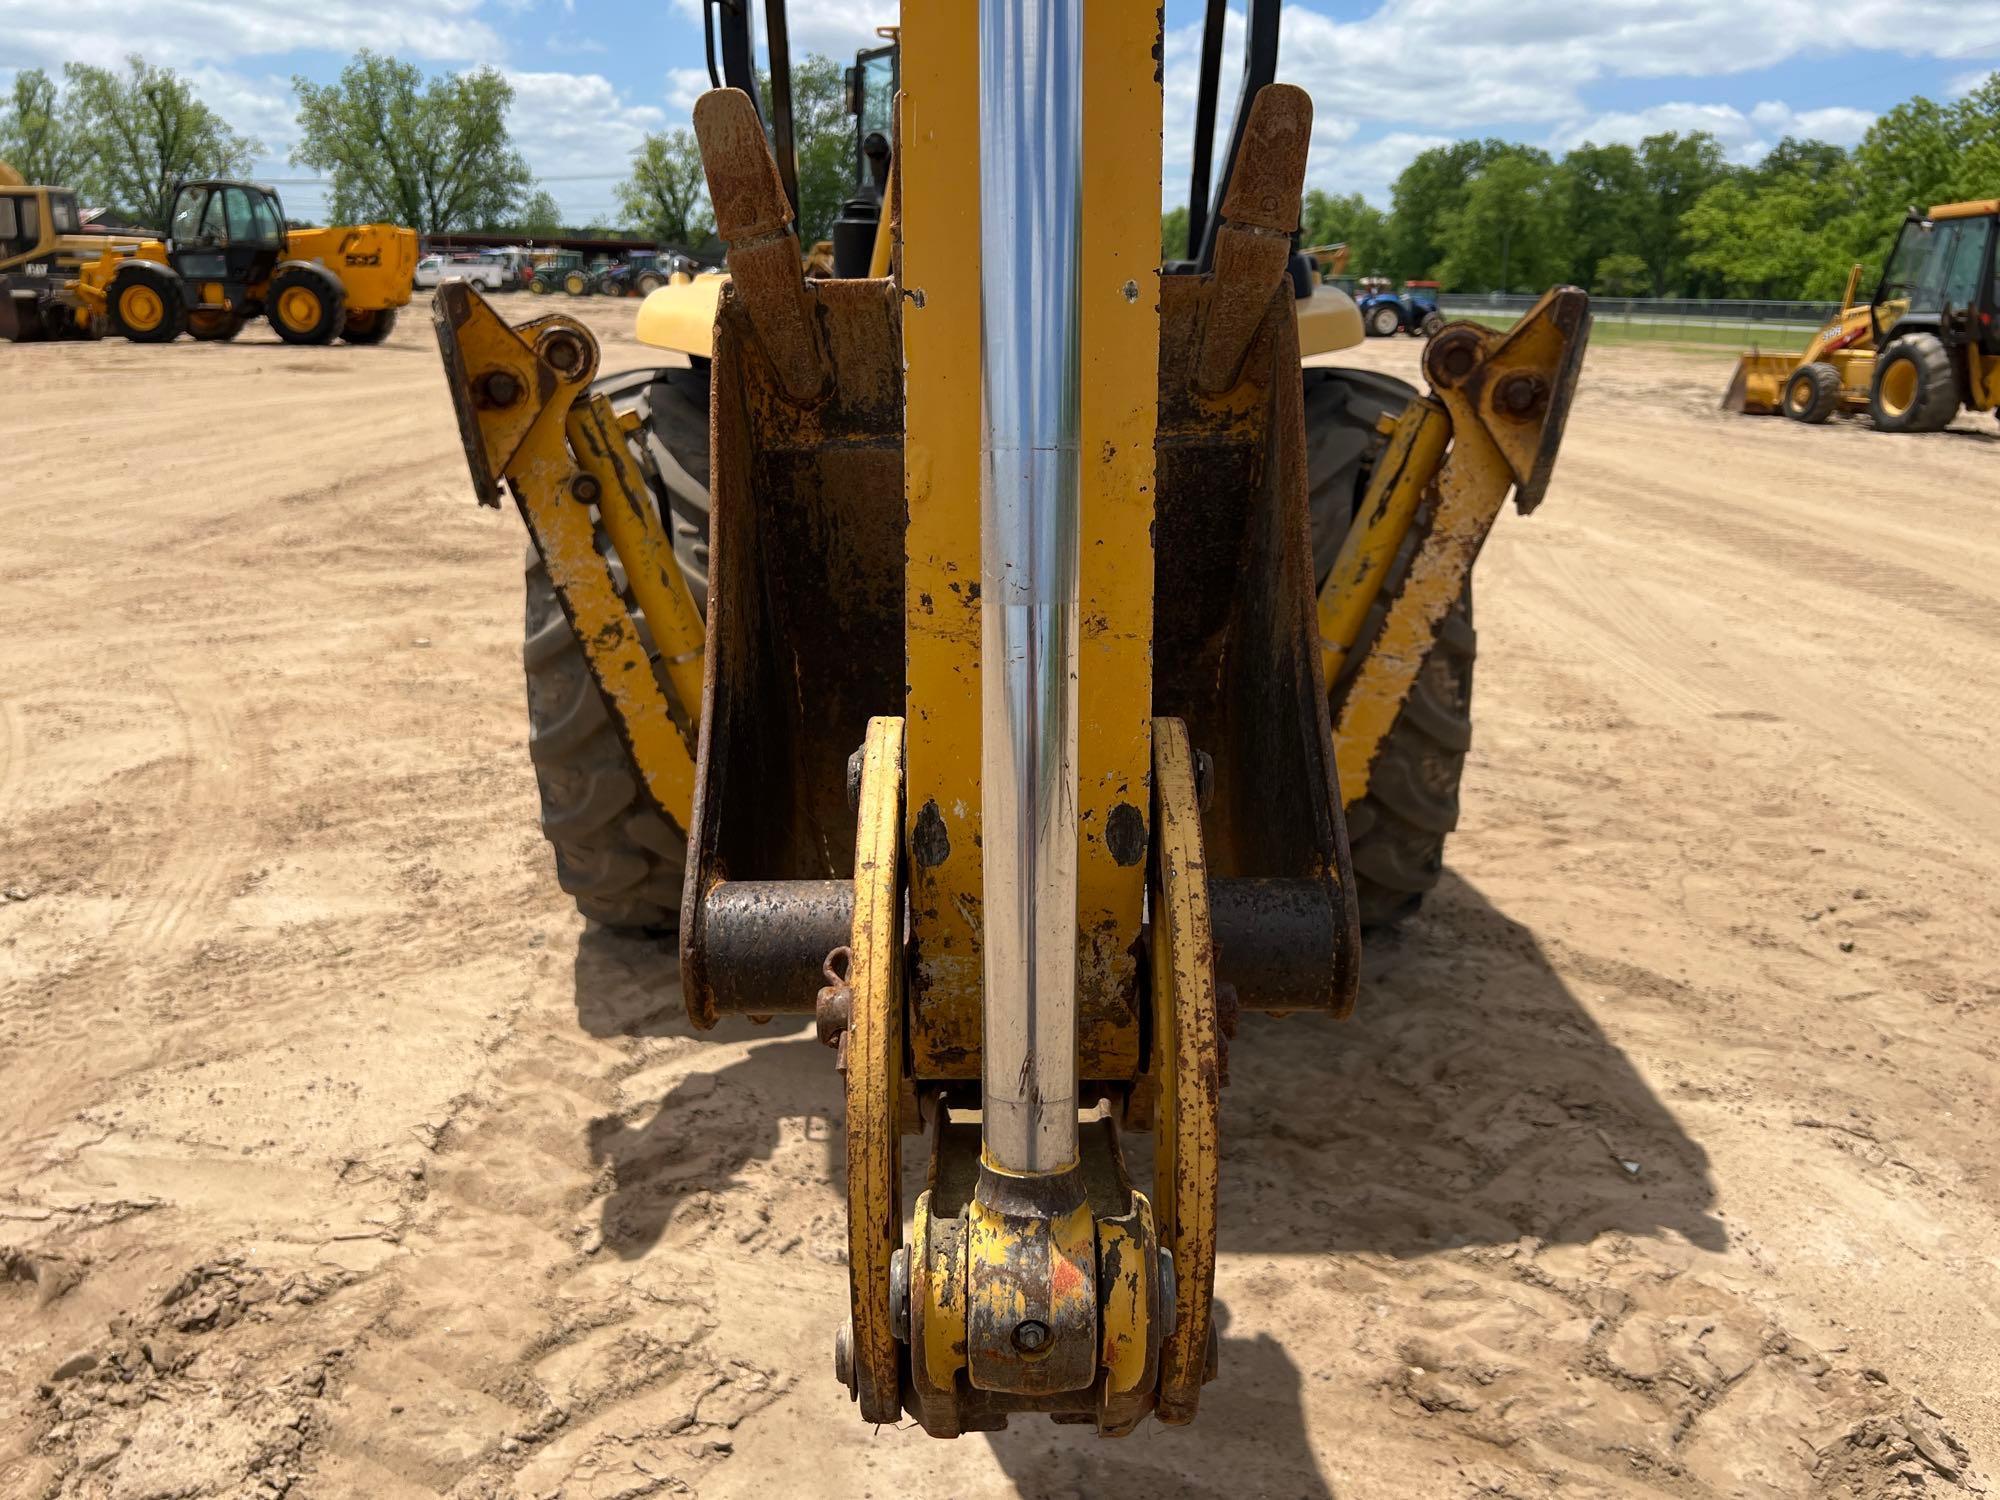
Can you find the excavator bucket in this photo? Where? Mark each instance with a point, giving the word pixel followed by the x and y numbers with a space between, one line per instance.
pixel 1758 383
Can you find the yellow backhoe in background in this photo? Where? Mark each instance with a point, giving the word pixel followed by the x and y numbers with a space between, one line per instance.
pixel 1012 658
pixel 1921 349
pixel 228 258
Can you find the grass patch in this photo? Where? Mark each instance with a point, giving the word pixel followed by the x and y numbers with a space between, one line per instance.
pixel 1741 338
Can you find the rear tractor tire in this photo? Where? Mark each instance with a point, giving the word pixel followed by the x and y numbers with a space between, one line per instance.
pixel 616 855
pixel 1916 389
pixel 372 326
pixel 1384 322
pixel 1433 325
pixel 1812 394
pixel 577 284
pixel 306 303
pixel 1398 829
pixel 147 303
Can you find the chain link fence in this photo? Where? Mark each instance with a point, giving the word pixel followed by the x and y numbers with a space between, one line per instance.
pixel 1690 319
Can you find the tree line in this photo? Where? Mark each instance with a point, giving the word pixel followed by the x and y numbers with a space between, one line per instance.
pixel 1670 216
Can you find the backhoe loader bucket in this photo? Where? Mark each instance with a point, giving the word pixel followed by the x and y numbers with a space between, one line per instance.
pixel 1758 383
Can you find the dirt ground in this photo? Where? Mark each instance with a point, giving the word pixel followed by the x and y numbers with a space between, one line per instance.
pixel 337 1158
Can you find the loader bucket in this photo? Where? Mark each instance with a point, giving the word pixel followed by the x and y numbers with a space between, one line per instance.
pixel 1758 383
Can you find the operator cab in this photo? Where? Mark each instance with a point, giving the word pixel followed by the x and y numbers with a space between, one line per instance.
pixel 32 219
pixel 1940 278
pixel 229 232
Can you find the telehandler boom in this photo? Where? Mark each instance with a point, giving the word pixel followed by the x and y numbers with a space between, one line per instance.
pixel 1052 624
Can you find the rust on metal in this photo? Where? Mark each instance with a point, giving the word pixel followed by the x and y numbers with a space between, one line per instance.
pixel 1253 242
pixel 1186 1064
pixel 874 1054
pixel 768 942
pixel 754 217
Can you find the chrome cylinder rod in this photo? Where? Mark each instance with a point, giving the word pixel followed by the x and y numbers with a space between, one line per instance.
pixel 1030 237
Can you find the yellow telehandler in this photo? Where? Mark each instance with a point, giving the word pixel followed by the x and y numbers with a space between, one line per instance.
pixel 1912 356
pixel 228 258
pixel 998 657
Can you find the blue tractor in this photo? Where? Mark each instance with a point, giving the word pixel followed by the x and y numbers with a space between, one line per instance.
pixel 1414 310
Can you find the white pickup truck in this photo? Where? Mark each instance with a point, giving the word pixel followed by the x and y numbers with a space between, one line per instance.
pixel 492 274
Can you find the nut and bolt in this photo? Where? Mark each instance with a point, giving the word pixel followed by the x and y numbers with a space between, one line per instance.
pixel 498 388
pixel 1204 779
pixel 899 1294
pixel 586 488
pixel 563 351
pixel 843 1356
pixel 854 762
pixel 1522 395
pixel 1031 1337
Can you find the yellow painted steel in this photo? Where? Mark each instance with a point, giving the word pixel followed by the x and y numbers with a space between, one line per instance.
pixel 1985 372
pixel 1899 388
pixel 1979 208
pixel 941 1286
pixel 1120 349
pixel 873 1051
pixel 1126 1295
pixel 1006 1255
pixel 651 571
pixel 1395 489
pixel 1186 1049
pixel 140 306
pixel 681 314
pixel 938 153
pixel 524 441
pixel 1490 453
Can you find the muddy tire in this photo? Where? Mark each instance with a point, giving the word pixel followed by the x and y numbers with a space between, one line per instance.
pixel 1916 389
pixel 616 855
pixel 1811 394
pixel 370 326
pixel 1398 830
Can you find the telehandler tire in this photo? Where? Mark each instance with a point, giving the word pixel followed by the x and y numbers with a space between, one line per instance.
pixel 215 325
pixel 1398 830
pixel 306 303
pixel 1811 394
pixel 617 857
pixel 369 327
pixel 146 303
pixel 1916 389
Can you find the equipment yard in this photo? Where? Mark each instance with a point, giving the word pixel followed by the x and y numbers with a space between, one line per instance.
pixel 338 1157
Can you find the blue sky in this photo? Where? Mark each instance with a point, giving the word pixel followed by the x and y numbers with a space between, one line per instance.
pixel 1389 77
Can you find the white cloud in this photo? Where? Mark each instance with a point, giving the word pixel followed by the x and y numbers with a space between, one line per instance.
pixel 833 28
pixel 578 125
pixel 185 33
pixel 1745 137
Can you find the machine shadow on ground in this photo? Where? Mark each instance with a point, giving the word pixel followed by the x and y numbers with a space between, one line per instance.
pixel 1472 1099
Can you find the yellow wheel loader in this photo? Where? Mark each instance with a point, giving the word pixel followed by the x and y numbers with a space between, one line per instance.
pixel 1921 349
pixel 229 258
pixel 991 656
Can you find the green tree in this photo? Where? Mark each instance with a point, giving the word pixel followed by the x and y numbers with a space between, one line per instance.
pixel 1776 230
pixel 1509 230
pixel 1605 190
pixel 39 131
pixel 1174 234
pixel 1349 220
pixel 142 131
pixel 433 156
pixel 823 137
pixel 1427 197
pixel 1676 170
pixel 667 193
pixel 537 216
pixel 1621 275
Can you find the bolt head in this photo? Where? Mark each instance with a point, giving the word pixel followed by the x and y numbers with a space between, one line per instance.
pixel 843 1355
pixel 499 388
pixel 586 488
pixel 1031 1337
